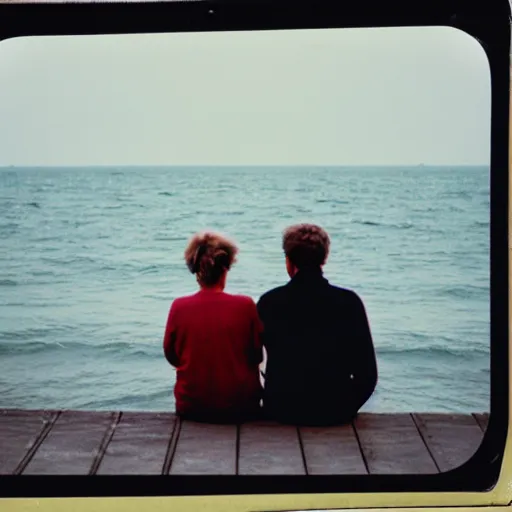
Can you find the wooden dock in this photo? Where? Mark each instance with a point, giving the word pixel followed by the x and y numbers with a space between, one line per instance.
pixel 36 442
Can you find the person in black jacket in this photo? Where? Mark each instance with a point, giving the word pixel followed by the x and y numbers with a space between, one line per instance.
pixel 321 366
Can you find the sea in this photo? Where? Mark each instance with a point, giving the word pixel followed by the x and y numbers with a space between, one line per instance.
pixel 91 259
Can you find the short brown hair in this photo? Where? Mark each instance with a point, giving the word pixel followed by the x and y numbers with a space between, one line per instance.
pixel 306 245
pixel 208 255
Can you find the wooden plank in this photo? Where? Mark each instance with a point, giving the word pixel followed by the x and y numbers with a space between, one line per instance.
pixel 391 444
pixel 139 444
pixel 452 438
pixel 205 449
pixel 268 448
pixel 72 445
pixel 19 432
pixel 332 450
pixel 482 419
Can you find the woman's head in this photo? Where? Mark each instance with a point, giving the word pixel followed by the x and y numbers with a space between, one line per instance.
pixel 209 256
pixel 306 246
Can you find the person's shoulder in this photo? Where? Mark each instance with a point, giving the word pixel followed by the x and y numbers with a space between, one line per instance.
pixel 176 307
pixel 179 302
pixel 238 297
pixel 241 303
pixel 272 294
pixel 347 294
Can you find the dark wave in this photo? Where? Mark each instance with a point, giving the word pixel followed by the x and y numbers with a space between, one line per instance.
pixel 166 194
pixel 34 204
pixel 28 304
pixel 454 208
pixel 458 194
pixel 433 351
pixel 332 201
pixel 465 292
pixel 42 273
pixel 31 347
pixel 70 261
pixel 121 349
pixel 402 225
pixel 48 239
pixel 152 296
pixel 150 269
pixel 163 238
pixel 10 225
pixel 8 282
pixel 26 336
pixel 124 349
pixel 125 401
pixel 368 223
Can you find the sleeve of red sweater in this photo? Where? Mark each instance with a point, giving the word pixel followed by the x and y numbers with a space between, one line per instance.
pixel 170 337
pixel 257 330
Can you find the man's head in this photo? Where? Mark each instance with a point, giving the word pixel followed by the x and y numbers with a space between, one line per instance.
pixel 306 246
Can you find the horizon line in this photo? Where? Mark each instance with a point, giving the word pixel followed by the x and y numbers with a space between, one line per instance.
pixel 338 166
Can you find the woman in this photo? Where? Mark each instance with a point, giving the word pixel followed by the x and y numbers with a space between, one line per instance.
pixel 213 340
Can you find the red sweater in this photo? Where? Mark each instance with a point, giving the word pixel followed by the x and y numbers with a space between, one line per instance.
pixel 213 340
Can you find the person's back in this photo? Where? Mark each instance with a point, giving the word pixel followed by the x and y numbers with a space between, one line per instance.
pixel 321 365
pixel 212 338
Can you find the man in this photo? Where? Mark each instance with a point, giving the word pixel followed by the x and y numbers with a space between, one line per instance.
pixel 321 365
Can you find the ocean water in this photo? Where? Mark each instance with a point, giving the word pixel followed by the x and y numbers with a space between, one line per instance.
pixel 91 259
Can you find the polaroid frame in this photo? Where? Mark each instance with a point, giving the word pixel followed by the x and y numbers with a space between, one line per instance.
pixel 486 479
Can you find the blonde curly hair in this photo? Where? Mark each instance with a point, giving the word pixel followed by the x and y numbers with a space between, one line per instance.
pixel 208 255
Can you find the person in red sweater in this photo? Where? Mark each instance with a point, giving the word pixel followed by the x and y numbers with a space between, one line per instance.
pixel 212 338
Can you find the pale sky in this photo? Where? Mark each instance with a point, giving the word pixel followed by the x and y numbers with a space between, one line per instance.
pixel 394 96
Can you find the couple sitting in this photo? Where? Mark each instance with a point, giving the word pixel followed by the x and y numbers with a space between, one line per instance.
pixel 321 365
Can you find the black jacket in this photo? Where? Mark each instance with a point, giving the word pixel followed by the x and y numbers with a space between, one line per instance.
pixel 321 365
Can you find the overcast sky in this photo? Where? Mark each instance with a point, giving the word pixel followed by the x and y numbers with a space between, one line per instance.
pixel 333 97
